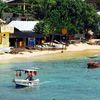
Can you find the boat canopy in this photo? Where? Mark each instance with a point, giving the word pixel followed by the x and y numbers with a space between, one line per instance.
pixel 28 70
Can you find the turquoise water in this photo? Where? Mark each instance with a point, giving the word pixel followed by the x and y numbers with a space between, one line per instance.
pixel 62 80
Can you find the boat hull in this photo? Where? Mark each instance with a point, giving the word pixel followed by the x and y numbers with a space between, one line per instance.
pixel 93 65
pixel 20 86
pixel 25 83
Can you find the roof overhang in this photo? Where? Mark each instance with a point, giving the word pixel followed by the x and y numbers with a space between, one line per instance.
pixel 7 1
pixel 24 26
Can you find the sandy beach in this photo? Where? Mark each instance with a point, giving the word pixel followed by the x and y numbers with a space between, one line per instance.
pixel 73 50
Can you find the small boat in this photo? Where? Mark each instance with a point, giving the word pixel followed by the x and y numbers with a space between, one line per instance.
pixel 95 56
pixel 24 78
pixel 93 64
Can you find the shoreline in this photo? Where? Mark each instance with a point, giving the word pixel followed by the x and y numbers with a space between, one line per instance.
pixel 73 50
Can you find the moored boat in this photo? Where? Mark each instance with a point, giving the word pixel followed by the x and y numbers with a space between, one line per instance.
pixel 93 64
pixel 95 56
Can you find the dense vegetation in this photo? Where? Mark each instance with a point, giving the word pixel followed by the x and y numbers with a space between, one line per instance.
pixel 76 16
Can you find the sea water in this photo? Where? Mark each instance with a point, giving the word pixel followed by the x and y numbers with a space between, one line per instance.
pixel 67 79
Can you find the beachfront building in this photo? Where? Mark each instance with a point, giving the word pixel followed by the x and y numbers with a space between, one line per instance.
pixel 24 35
pixel 5 31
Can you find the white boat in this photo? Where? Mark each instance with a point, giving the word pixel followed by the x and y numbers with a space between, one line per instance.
pixel 24 78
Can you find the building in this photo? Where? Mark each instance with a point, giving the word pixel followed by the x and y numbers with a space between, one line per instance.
pixel 5 31
pixel 24 35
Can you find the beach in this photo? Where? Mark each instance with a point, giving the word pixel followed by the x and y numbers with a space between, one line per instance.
pixel 73 50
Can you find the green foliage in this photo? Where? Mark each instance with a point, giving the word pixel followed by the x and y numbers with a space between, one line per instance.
pixel 75 15
pixel 15 10
pixel 47 29
pixel 39 28
pixel 40 8
pixel 53 99
pixel 43 28
pixel 3 7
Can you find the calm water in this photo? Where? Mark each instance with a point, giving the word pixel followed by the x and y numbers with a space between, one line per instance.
pixel 62 80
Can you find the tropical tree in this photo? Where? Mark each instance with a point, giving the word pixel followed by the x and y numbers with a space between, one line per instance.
pixel 74 15
pixel 39 8
pixel 3 7
pixel 15 10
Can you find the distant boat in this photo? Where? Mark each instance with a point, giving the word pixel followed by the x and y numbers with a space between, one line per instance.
pixel 28 81
pixel 93 64
pixel 95 56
